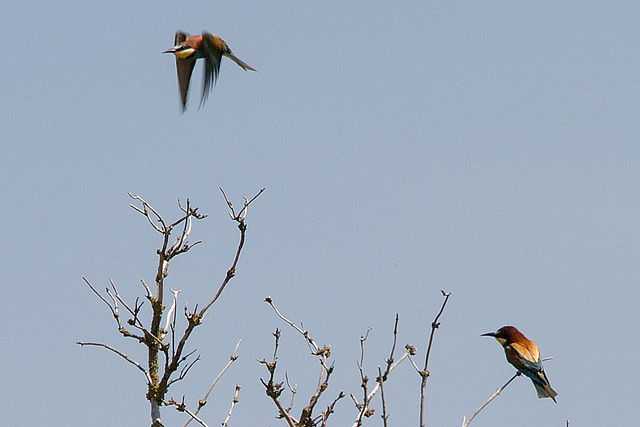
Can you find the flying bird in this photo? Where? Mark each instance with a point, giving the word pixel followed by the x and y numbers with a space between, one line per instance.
pixel 209 47
pixel 525 357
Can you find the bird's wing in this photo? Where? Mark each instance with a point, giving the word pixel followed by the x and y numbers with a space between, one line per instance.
pixel 212 52
pixel 184 68
pixel 180 37
pixel 525 358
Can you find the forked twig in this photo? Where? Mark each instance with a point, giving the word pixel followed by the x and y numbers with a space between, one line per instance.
pixel 242 226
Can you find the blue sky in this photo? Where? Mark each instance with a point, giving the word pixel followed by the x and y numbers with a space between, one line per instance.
pixel 489 149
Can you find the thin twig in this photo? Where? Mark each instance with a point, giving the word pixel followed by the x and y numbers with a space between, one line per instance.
pixel 363 409
pixel 233 403
pixel 330 409
pixel 242 226
pixel 147 289
pixel 384 405
pixel 425 372
pixel 119 353
pixel 195 417
pixel 145 211
pixel 315 348
pixel 171 323
pixel 466 422
pixel 293 390
pixel 393 349
pixel 409 351
pixel 102 298
pixel 134 321
pixel 274 390
pixel 182 407
pixel 185 370
pixel 203 401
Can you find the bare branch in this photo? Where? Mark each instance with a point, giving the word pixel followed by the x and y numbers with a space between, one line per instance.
pixel 145 211
pixel 293 390
pixel 203 401
pixel 384 405
pixel 362 340
pixel 409 350
pixel 414 364
pixel 185 370
pixel 316 350
pixel 305 417
pixel 466 422
pixel 182 407
pixel 233 403
pixel 149 294
pixel 330 409
pixel 195 417
pixel 425 372
pixel 135 321
pixel 171 323
pixel 393 349
pixel 113 306
pixel 113 312
pixel 119 353
pixel 185 230
pixel 232 271
pixel 153 336
pixel 274 390
pixel 363 408
pixel 240 216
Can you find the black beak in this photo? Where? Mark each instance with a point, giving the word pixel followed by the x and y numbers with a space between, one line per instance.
pixel 489 334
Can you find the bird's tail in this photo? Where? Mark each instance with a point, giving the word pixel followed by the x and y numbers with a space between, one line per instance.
pixel 238 61
pixel 545 390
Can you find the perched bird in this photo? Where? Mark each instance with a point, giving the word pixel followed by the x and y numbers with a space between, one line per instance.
pixel 209 47
pixel 525 357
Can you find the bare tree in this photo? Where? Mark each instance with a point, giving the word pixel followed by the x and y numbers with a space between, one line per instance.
pixel 168 362
pixel 364 410
pixel 159 334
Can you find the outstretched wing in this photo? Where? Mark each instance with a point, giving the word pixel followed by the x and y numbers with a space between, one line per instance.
pixel 212 49
pixel 184 68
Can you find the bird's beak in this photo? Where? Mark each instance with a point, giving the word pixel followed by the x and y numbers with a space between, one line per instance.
pixel 170 50
pixel 489 334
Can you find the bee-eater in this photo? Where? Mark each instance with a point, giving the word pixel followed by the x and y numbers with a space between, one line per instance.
pixel 209 47
pixel 525 357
